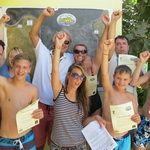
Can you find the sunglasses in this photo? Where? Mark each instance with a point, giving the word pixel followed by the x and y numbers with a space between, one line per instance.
pixel 66 42
pixel 77 76
pixel 76 51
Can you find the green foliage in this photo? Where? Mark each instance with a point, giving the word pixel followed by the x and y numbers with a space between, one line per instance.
pixel 141 96
pixel 136 26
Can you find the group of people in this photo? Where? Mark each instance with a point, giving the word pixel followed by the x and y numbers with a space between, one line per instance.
pixel 66 86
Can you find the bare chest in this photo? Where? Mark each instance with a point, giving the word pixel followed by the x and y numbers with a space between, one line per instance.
pixel 15 99
pixel 117 98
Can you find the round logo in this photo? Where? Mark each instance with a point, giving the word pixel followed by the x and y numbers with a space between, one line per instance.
pixel 66 19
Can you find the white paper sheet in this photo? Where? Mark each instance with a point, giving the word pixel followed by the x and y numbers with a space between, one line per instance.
pixel 130 61
pixel 24 117
pixel 98 137
pixel 121 117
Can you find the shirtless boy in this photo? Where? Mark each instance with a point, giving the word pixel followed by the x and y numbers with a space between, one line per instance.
pixel 116 94
pixel 15 94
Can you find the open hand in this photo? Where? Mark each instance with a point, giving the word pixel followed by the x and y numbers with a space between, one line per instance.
pixel 105 19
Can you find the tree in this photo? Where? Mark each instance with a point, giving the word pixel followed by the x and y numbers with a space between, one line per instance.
pixel 136 24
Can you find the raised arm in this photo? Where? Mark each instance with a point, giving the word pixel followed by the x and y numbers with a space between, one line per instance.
pixel 98 55
pixel 136 79
pixel 116 15
pixel 55 80
pixel 107 45
pixel 3 20
pixel 34 33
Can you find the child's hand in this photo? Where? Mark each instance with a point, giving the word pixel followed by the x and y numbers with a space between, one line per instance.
pixel 144 56
pixel 37 114
pixel 100 120
pixel 105 19
pixel 116 15
pixel 136 118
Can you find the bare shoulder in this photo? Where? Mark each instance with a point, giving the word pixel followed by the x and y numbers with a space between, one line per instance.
pixel 132 98
pixel 32 87
pixel 3 80
pixel 33 91
pixel 130 95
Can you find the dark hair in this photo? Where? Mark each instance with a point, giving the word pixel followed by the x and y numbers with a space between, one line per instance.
pixel 80 44
pixel 123 69
pixel 2 44
pixel 21 56
pixel 82 98
pixel 122 37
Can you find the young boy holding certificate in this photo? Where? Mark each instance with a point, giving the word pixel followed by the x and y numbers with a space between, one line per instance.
pixel 119 106
pixel 15 94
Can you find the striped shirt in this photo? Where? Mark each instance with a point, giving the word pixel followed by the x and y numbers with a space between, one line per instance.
pixel 67 124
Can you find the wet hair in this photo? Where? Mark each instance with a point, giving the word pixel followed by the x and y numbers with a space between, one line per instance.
pixel 22 56
pixel 80 44
pixel 2 44
pixel 122 37
pixel 82 98
pixel 123 69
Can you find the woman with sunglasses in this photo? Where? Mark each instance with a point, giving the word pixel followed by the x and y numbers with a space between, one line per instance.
pixel 81 57
pixel 71 104
pixel 91 65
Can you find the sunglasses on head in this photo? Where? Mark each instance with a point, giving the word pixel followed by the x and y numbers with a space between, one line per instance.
pixel 77 76
pixel 76 51
pixel 66 42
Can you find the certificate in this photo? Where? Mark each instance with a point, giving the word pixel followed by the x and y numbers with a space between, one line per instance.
pixel 98 137
pixel 129 60
pixel 121 117
pixel 24 118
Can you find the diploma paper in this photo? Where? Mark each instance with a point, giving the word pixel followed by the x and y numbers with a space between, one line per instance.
pixel 98 137
pixel 24 117
pixel 121 117
pixel 128 60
